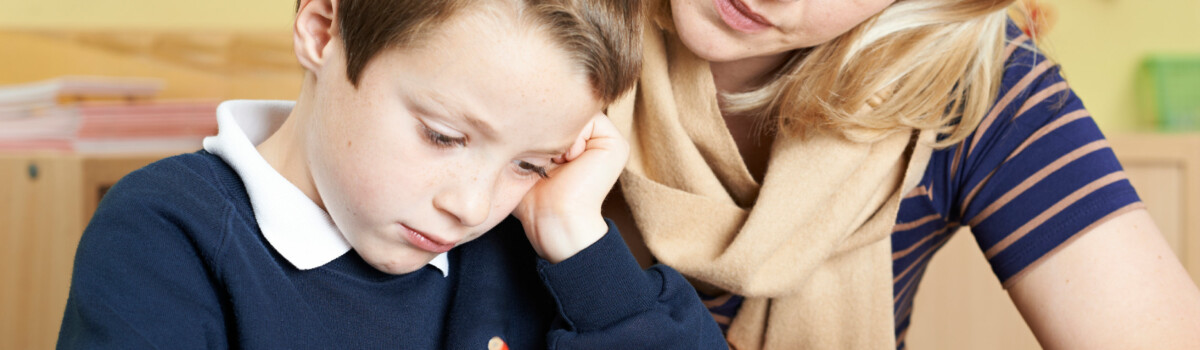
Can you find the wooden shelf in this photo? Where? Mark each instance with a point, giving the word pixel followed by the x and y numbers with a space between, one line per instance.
pixel 46 201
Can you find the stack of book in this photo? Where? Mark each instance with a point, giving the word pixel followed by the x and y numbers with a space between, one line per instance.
pixel 92 114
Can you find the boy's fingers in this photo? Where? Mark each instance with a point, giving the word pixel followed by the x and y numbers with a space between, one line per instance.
pixel 573 152
pixel 579 145
pixel 602 128
pixel 581 141
pixel 598 133
pixel 605 136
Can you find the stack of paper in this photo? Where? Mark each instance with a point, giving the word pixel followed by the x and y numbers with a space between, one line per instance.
pixel 88 114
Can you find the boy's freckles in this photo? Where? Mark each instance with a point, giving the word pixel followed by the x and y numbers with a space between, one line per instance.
pixel 377 169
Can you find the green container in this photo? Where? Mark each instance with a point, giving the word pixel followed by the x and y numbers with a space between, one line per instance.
pixel 1169 92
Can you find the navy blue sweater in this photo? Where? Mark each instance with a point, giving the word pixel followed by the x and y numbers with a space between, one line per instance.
pixel 174 259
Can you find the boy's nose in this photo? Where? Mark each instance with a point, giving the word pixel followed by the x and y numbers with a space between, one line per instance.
pixel 468 201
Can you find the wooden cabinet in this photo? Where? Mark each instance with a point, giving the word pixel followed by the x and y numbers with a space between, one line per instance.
pixel 960 304
pixel 45 202
pixel 47 199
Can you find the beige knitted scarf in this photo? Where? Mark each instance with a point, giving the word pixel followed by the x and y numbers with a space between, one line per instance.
pixel 809 248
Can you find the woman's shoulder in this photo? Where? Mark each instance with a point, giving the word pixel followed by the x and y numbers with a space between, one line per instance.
pixel 1029 77
pixel 1032 94
pixel 1034 109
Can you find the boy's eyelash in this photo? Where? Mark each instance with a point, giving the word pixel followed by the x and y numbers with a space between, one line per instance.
pixel 441 140
pixel 533 169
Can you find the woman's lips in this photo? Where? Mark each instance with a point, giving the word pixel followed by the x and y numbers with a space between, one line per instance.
pixel 738 16
pixel 426 242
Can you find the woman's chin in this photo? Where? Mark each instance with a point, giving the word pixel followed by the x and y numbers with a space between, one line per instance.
pixel 714 47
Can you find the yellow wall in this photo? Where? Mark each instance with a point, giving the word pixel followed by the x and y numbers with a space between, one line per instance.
pixel 1101 43
pixel 222 75
pixel 147 14
pixel 209 49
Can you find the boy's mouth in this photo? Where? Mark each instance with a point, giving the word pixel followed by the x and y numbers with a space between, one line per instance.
pixel 426 242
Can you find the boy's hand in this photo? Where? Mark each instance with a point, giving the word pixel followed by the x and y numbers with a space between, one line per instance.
pixel 561 214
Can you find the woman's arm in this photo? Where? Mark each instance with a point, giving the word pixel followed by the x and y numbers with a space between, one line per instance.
pixel 1118 286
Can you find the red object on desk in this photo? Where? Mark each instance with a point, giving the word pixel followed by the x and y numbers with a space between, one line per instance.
pixel 497 344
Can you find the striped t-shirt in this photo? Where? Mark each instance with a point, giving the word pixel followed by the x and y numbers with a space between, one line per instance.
pixel 1033 175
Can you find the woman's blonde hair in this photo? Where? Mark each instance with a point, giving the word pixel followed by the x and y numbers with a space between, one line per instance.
pixel 924 64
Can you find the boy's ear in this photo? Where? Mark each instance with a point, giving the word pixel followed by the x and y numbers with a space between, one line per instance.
pixel 313 32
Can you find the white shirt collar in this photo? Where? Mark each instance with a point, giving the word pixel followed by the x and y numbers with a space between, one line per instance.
pixel 292 223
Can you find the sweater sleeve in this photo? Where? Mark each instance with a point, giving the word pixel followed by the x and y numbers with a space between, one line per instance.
pixel 605 300
pixel 140 280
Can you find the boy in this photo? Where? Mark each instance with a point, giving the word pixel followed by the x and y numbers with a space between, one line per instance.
pixel 343 220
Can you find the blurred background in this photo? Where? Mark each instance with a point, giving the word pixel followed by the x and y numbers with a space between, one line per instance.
pixel 93 89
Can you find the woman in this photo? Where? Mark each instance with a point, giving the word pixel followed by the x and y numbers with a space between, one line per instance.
pixel 800 161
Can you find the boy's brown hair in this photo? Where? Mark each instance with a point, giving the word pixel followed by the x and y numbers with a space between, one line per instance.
pixel 601 36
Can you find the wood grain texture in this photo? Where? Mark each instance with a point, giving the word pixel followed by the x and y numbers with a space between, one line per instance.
pixel 41 219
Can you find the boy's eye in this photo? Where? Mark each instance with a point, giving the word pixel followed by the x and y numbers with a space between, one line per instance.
pixel 528 168
pixel 441 140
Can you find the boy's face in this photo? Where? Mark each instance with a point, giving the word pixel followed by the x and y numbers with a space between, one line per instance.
pixel 439 143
